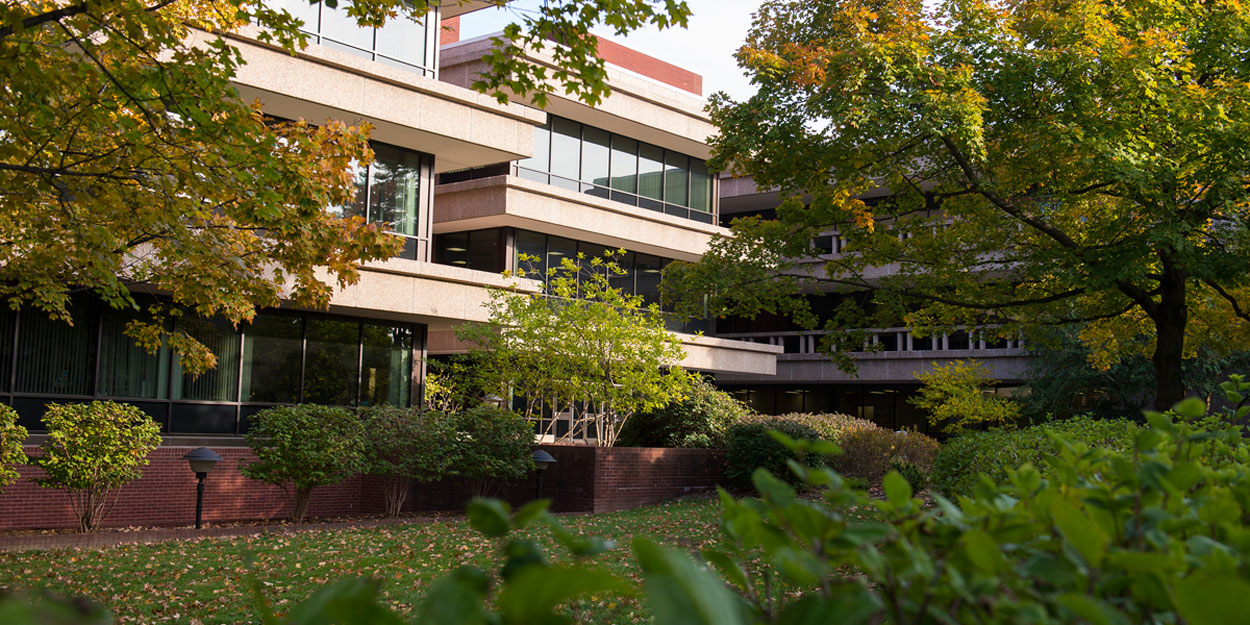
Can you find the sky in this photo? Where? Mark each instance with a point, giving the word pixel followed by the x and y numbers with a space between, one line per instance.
pixel 717 28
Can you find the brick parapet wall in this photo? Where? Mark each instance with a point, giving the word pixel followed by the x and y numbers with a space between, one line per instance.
pixel 584 479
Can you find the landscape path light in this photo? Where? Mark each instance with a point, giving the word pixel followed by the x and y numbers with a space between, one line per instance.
pixel 202 460
pixel 542 460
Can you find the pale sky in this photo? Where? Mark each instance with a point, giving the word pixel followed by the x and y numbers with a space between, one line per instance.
pixel 717 28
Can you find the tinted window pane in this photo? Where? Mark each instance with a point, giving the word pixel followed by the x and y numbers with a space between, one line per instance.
pixel 357 207
pixel 452 249
pixel 484 251
pixel 55 357
pixel 625 281
pixel 339 26
pixel 220 383
pixel 331 364
pixel 624 164
pixel 595 153
pixel 566 146
pixel 559 249
pixel 542 150
pixel 7 320
pixel 271 359
pixel 676 179
pixel 395 189
pixel 650 171
pixel 649 268
pixel 403 38
pixel 127 370
pixel 700 186
pixel 386 376
pixel 533 245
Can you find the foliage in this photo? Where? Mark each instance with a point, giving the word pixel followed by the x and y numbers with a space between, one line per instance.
pixel 12 437
pixel 92 450
pixel 128 162
pixel 1062 381
pixel 917 478
pixel 830 426
pixel 490 445
pixel 302 447
pixel 1046 164
pixel 748 445
pixel 955 396
pixel 405 444
pixel 583 348
pixel 994 453
pixel 867 453
pixel 701 419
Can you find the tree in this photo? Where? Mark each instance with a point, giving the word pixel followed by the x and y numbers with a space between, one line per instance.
pixel 1045 162
pixel 12 437
pixel 700 419
pixel 92 450
pixel 405 444
pixel 304 446
pixel 583 348
pixel 955 396
pixel 128 165
pixel 491 445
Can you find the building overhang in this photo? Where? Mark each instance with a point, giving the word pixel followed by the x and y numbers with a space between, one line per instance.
pixel 460 127
pixel 512 201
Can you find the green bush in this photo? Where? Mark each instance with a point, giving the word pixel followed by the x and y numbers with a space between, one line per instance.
pixel 748 446
pixel 491 445
pixel 830 425
pixel 406 444
pixel 917 478
pixel 92 450
pixel 303 447
pixel 868 452
pixel 995 452
pixel 702 419
pixel 12 437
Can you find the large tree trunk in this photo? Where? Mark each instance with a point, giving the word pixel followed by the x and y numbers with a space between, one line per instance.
pixel 1170 318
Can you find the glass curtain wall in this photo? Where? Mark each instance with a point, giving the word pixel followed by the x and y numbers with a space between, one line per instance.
pixel 402 42
pixel 590 160
pixel 388 192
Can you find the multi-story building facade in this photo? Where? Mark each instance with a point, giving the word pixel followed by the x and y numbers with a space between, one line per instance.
pixel 516 180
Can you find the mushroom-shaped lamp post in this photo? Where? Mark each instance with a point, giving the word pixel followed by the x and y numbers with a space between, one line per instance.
pixel 202 461
pixel 542 460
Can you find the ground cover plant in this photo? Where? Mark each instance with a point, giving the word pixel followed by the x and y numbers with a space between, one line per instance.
pixel 208 580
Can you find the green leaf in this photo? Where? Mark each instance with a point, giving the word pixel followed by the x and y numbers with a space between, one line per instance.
pixel 530 512
pixel 351 599
pixel 489 516
pixel 1085 535
pixel 1092 610
pixel 1202 600
pixel 456 599
pixel 983 551
pixel 536 591
pixel 680 592
pixel 897 490
pixel 727 566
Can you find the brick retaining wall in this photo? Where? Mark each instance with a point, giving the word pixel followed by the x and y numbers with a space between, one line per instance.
pixel 584 479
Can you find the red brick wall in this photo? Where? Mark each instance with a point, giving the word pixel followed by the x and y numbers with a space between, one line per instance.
pixel 450 31
pixel 584 479
pixel 650 67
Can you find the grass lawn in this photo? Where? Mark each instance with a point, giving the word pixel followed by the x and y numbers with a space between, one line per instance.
pixel 205 581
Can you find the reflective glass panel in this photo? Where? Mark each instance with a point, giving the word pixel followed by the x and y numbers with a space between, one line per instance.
pixel 220 383
pixel 595 153
pixel 700 186
pixel 403 39
pixel 127 370
pixel 54 357
pixel 566 143
pixel 7 320
pixel 531 250
pixel 624 164
pixel 331 364
pixel 541 160
pixel 650 172
pixel 342 28
pixel 395 186
pixel 676 178
pixel 272 348
pixel 648 284
pixel 386 373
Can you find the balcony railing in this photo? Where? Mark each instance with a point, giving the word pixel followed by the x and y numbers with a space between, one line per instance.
pixel 893 340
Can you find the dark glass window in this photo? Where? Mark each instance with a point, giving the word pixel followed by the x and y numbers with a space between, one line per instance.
pixel 625 281
pixel 126 369
pixel 395 188
pixel 220 383
pixel 54 357
pixel 558 249
pixel 649 274
pixel 676 179
pixel 8 321
pixel 272 346
pixel 650 172
pixel 480 249
pixel 532 245
pixel 386 365
pixel 624 164
pixel 331 363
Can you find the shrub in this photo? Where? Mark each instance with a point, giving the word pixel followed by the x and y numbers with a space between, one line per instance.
pixel 701 419
pixel 401 445
pixel 92 450
pixel 304 446
pixel 995 452
pixel 12 436
pixel 830 425
pixel 748 446
pixel 868 452
pixel 955 396
pixel 917 478
pixel 492 445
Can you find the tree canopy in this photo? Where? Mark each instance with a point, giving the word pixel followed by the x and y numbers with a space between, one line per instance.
pixel 1031 163
pixel 130 166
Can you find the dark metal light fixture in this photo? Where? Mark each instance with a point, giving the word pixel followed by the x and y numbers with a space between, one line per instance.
pixel 202 460
pixel 542 460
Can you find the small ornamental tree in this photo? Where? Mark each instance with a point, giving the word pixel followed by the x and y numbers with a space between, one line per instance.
pixel 92 450
pixel 491 445
pixel 954 397
pixel 401 445
pixel 303 447
pixel 12 436
pixel 583 348
pixel 701 419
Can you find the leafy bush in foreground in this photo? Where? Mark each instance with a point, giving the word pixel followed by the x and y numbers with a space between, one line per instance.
pixel 491 445
pixel 962 459
pixel 702 419
pixel 12 437
pixel 406 444
pixel 92 450
pixel 305 446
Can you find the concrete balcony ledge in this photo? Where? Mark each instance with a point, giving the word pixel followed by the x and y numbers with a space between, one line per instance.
pixel 513 201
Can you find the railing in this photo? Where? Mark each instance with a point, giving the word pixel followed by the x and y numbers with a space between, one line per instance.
pixel 887 340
